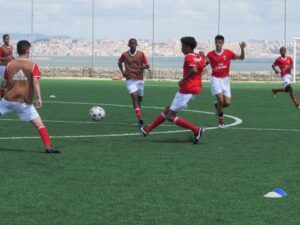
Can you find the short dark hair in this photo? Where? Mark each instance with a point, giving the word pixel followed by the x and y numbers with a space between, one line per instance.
pixel 5 35
pixel 219 37
pixel 132 39
pixel 23 46
pixel 189 41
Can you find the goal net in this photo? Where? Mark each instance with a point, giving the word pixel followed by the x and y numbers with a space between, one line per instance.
pixel 296 53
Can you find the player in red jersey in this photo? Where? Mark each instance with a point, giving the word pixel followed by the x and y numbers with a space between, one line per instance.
pixel 285 64
pixel 21 80
pixel 189 87
pixel 220 60
pixel 6 56
pixel 135 63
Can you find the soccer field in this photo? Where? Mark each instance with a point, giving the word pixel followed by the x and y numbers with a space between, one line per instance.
pixel 109 174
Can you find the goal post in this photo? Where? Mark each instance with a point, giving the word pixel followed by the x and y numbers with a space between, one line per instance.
pixel 297 39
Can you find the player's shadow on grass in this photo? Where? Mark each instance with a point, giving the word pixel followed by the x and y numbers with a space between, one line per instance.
pixel 172 140
pixel 18 150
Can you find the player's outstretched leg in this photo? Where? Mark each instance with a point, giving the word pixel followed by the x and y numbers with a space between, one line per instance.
pixel 156 122
pixel 37 122
pixel 276 90
pixel 293 97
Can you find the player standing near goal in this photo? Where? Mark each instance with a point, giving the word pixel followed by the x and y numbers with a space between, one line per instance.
pixel 285 64
pixel 21 80
pixel 189 87
pixel 6 56
pixel 220 60
pixel 135 63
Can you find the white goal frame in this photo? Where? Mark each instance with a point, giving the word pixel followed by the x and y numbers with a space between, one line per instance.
pixel 295 57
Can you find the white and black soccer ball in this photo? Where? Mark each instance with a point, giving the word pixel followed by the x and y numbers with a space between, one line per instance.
pixel 97 113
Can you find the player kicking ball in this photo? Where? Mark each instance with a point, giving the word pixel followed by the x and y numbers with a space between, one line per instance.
pixel 21 80
pixel 135 63
pixel 285 64
pixel 189 86
pixel 219 60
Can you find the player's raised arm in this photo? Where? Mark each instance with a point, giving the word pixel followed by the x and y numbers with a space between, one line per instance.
pixel 242 55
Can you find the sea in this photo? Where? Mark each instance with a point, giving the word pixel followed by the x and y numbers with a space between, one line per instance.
pixel 249 64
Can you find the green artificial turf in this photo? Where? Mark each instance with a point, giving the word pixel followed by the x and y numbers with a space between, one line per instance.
pixel 162 179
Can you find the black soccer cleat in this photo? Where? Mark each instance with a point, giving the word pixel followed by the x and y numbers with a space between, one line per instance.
pixel 198 136
pixel 52 150
pixel 143 132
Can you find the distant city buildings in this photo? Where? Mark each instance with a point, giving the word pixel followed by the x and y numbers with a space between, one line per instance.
pixel 106 47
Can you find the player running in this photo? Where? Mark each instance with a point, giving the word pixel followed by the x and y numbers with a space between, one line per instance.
pixel 21 80
pixel 285 64
pixel 6 54
pixel 189 87
pixel 135 62
pixel 220 60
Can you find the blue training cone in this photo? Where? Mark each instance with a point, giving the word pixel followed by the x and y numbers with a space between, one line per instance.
pixel 276 193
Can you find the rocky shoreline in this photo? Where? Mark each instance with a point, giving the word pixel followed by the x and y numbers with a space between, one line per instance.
pixel 159 74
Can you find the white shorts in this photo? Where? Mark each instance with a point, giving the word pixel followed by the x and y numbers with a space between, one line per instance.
pixel 24 111
pixel 135 86
pixel 181 101
pixel 220 85
pixel 2 70
pixel 286 80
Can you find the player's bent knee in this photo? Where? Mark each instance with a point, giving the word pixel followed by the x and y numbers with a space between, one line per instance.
pixel 37 122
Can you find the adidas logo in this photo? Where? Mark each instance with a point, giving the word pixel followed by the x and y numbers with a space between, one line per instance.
pixel 20 76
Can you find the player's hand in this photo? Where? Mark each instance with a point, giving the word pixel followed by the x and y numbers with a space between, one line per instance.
pixel 124 74
pixel 243 45
pixel 202 53
pixel 38 104
pixel 276 71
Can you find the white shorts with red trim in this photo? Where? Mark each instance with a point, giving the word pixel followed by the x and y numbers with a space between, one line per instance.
pixel 286 80
pixel 2 70
pixel 24 111
pixel 220 85
pixel 181 101
pixel 135 86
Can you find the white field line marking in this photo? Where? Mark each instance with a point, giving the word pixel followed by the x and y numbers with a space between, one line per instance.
pixel 265 129
pixel 237 122
pixel 104 135
pixel 85 122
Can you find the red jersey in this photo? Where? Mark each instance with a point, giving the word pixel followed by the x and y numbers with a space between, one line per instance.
pixel 5 51
pixel 220 62
pixel 193 84
pixel 283 64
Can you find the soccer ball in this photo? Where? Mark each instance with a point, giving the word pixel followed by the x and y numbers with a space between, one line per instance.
pixel 97 113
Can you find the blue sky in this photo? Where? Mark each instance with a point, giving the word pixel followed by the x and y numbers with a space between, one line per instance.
pixel 119 19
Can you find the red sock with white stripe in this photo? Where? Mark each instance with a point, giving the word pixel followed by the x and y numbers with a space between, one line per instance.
pixel 138 113
pixel 158 120
pixel 294 99
pixel 185 124
pixel 45 136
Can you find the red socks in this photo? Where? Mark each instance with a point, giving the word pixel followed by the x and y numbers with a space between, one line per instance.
pixel 185 124
pixel 45 136
pixel 138 113
pixel 158 120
